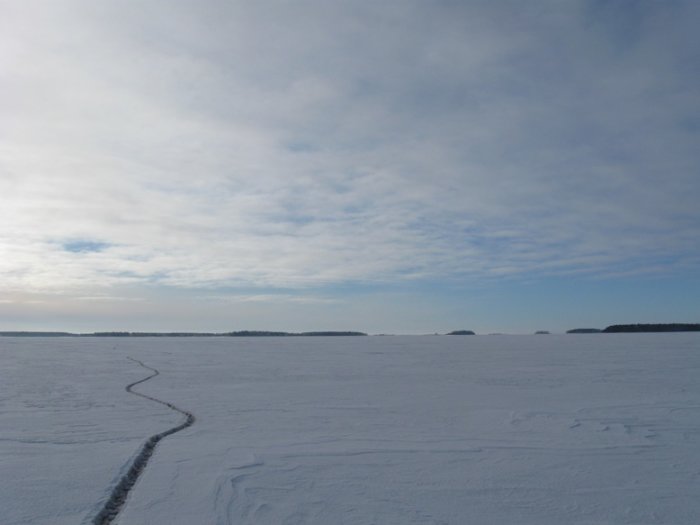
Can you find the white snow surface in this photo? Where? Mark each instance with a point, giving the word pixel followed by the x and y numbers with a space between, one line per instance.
pixel 571 429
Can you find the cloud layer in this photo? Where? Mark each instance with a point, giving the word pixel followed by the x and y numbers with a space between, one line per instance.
pixel 305 144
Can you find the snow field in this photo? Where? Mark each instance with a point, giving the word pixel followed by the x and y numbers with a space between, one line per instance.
pixel 576 429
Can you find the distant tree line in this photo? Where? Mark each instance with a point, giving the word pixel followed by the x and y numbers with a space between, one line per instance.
pixel 639 328
pixel 669 327
pixel 36 334
pixel 259 333
pixel 242 333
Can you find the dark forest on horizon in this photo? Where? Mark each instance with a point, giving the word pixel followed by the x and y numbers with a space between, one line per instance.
pixel 242 333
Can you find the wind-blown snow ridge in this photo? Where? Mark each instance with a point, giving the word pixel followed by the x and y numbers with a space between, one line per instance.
pixel 121 491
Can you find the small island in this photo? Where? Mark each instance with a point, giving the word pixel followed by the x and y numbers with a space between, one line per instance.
pixel 584 331
pixel 542 332
pixel 462 332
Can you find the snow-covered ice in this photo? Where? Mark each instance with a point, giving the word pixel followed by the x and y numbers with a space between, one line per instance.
pixel 576 429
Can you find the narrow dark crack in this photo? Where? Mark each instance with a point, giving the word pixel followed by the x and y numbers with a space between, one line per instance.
pixel 120 492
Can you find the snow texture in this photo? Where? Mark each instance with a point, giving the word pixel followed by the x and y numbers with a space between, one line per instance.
pixel 577 429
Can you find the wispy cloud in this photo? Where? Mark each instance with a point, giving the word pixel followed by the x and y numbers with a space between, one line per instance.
pixel 107 298
pixel 271 298
pixel 280 145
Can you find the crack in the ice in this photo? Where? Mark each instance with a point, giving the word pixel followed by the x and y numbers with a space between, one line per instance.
pixel 119 494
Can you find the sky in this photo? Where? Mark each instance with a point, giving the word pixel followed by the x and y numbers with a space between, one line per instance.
pixel 408 166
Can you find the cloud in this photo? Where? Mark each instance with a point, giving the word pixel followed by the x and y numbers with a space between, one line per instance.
pixel 280 145
pixel 271 298
pixel 107 298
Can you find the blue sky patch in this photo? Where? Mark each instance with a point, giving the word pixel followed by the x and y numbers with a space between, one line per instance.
pixel 85 246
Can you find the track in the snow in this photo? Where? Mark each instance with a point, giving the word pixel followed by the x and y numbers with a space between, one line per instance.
pixel 121 491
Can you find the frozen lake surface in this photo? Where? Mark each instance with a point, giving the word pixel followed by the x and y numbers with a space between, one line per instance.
pixel 575 429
